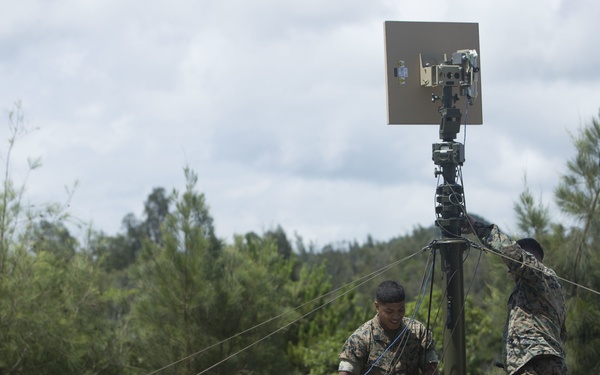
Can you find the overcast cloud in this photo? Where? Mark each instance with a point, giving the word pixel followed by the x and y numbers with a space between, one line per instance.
pixel 280 108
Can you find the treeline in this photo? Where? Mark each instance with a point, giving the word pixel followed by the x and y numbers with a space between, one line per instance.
pixel 166 296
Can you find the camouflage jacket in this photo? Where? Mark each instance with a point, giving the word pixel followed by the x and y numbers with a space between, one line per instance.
pixel 536 307
pixel 366 348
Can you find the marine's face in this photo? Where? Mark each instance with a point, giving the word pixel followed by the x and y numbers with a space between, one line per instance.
pixel 390 314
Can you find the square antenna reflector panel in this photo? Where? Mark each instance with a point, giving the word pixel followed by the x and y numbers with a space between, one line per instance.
pixel 410 46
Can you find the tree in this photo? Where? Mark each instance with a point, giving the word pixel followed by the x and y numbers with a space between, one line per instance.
pixel 195 296
pixel 52 310
pixel 156 210
pixel 119 252
pixel 577 195
pixel 283 245
pixel 533 218
pixel 173 280
pixel 53 237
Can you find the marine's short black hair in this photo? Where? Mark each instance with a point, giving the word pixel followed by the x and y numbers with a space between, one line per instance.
pixel 390 291
pixel 531 245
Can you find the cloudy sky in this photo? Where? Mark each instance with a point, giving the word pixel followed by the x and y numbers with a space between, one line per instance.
pixel 280 108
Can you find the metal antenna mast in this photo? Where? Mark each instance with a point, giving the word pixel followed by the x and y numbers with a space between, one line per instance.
pixel 448 156
pixel 415 58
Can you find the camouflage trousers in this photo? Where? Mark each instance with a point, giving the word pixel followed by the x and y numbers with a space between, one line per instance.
pixel 544 365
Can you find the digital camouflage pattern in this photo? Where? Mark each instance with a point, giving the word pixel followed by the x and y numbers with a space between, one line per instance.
pixel 535 323
pixel 545 365
pixel 369 342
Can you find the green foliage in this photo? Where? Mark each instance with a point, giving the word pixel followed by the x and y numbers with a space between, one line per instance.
pixel 52 312
pixel 347 266
pixel 575 248
pixel 578 193
pixel 121 251
pixel 583 346
pixel 53 238
pixel 172 282
pixel 195 296
pixel 52 317
pixel 533 218
pixel 329 317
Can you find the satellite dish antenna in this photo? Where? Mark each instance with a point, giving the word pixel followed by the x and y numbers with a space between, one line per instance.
pixel 415 54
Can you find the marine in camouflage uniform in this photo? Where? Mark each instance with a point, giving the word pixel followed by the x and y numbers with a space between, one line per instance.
pixel 535 328
pixel 366 346
pixel 390 343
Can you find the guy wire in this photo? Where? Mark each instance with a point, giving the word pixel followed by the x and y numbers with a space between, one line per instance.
pixel 486 249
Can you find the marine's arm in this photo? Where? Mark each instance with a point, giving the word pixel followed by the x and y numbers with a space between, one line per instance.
pixel 518 260
pixel 492 237
pixel 348 368
pixel 353 354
